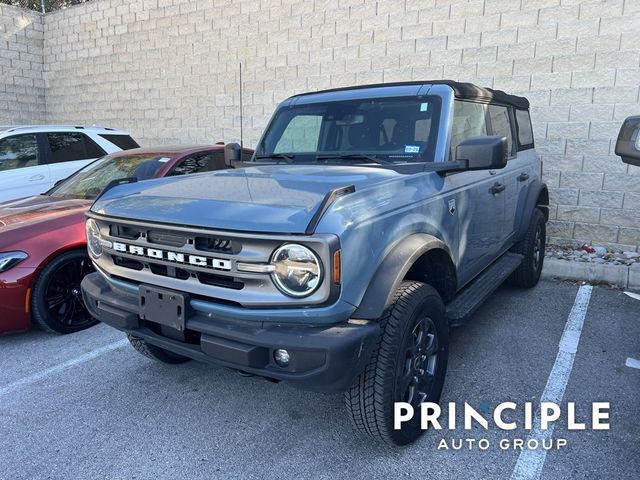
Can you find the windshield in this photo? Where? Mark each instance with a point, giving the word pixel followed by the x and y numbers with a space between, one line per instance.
pixel 379 130
pixel 91 180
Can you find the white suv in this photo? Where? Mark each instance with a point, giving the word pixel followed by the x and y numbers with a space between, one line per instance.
pixel 34 158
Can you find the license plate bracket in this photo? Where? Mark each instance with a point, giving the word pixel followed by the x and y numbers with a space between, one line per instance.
pixel 163 306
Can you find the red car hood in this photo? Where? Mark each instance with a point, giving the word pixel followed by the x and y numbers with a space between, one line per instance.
pixel 31 216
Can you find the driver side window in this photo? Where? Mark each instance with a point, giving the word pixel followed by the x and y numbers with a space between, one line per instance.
pixel 469 120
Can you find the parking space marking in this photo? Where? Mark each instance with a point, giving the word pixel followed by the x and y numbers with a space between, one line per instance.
pixel 633 363
pixel 530 462
pixel 36 377
pixel 635 296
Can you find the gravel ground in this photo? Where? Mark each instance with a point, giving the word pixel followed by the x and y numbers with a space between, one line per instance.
pixel 104 411
pixel 593 254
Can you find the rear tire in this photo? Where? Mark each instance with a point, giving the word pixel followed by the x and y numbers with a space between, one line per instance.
pixel 408 365
pixel 154 352
pixel 532 247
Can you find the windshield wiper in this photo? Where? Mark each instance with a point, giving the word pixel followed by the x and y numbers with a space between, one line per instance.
pixel 353 156
pixel 287 157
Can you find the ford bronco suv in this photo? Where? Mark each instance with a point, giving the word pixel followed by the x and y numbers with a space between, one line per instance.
pixel 369 220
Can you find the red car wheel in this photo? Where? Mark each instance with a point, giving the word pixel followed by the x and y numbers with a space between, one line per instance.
pixel 56 302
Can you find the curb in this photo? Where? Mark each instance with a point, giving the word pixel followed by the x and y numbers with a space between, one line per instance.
pixel 619 275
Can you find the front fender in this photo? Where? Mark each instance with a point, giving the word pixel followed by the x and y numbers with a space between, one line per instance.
pixel 392 271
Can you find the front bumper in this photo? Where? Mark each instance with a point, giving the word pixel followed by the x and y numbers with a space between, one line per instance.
pixel 14 313
pixel 323 358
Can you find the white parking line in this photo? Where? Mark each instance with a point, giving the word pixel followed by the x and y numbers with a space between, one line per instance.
pixel 635 296
pixel 633 363
pixel 530 462
pixel 36 377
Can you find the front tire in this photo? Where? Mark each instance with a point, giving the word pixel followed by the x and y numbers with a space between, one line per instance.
pixel 408 365
pixel 56 301
pixel 155 353
pixel 532 247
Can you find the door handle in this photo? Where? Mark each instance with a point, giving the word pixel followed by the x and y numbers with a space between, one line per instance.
pixel 34 178
pixel 497 188
pixel 523 177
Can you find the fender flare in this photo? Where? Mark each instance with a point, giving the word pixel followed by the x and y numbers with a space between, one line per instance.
pixel 392 271
pixel 535 190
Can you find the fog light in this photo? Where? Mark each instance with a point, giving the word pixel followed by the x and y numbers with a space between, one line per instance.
pixel 281 357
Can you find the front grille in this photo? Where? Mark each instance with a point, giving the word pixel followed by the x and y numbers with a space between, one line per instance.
pixel 181 243
pixel 204 262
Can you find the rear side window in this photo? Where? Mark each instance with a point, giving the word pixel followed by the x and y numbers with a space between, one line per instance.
pixel 124 142
pixel 469 120
pixel 198 163
pixel 501 124
pixel 525 132
pixel 19 151
pixel 70 146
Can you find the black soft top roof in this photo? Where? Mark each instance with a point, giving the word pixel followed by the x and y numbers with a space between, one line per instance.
pixel 460 89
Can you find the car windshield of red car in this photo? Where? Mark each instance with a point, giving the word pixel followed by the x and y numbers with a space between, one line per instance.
pixel 91 180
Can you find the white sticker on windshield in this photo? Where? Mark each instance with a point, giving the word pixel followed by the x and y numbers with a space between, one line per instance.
pixel 411 149
pixel 424 106
pixel 164 159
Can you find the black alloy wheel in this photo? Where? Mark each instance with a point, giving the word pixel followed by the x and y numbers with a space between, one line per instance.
pixel 56 304
pixel 416 380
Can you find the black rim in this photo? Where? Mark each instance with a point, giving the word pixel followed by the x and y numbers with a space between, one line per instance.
pixel 420 362
pixel 63 297
pixel 538 248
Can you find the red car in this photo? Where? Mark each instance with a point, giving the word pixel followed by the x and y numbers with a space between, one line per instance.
pixel 43 253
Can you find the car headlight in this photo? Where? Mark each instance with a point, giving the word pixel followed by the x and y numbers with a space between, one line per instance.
pixel 11 259
pixel 94 239
pixel 298 271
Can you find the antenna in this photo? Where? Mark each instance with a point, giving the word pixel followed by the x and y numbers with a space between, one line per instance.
pixel 241 142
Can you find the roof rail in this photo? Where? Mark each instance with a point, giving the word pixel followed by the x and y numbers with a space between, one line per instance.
pixel 12 128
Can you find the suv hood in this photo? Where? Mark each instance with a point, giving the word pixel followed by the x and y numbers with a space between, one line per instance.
pixel 266 198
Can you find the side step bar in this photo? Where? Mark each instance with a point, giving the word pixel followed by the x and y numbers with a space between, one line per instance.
pixel 460 309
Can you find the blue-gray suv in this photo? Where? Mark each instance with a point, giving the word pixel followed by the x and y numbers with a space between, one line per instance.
pixel 369 220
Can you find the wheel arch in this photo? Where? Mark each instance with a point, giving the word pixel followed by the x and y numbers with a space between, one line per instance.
pixel 56 253
pixel 537 197
pixel 420 257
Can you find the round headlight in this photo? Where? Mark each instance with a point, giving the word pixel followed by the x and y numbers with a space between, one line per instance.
pixel 298 272
pixel 93 238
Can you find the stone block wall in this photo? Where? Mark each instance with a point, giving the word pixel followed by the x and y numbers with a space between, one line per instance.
pixel 167 70
pixel 21 65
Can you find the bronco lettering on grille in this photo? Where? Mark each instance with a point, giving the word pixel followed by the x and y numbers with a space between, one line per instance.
pixel 177 257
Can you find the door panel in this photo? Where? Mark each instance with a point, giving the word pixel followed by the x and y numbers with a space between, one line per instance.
pixel 480 218
pixel 24 182
pixel 22 171
pixel 519 174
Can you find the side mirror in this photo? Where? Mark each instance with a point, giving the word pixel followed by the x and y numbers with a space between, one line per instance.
pixel 483 153
pixel 232 154
pixel 628 143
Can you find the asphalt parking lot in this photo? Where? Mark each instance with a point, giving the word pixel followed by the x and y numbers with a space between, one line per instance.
pixel 88 406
